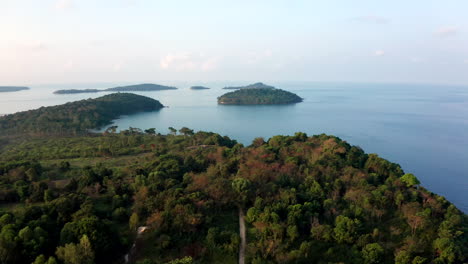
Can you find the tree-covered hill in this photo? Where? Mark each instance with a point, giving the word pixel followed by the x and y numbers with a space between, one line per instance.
pixel 257 85
pixel 305 200
pixel 259 96
pixel 76 117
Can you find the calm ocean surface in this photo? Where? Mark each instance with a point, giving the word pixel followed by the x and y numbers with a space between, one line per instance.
pixel 424 128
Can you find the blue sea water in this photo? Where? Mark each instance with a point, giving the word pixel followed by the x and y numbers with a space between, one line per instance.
pixel 424 128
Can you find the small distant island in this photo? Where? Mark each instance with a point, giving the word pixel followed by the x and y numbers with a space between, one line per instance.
pixel 251 86
pixel 5 89
pixel 258 94
pixel 199 88
pixel 77 91
pixel 146 87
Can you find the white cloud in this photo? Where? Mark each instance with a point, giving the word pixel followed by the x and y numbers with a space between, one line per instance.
pixel 69 65
pixel 118 66
pixel 379 53
pixel 446 32
pixel 210 64
pixel 34 46
pixel 257 57
pixel 372 19
pixel 63 4
pixel 188 62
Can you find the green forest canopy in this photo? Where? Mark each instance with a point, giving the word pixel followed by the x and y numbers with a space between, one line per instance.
pixel 80 198
pixel 306 200
pixel 259 96
pixel 250 86
pixel 76 117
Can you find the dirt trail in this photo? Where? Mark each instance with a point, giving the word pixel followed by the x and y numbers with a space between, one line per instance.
pixel 131 254
pixel 242 236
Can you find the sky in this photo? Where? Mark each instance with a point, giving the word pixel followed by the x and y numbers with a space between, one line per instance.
pixel 88 41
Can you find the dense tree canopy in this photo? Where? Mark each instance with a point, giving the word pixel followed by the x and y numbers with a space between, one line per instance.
pixel 76 117
pixel 306 200
pixel 180 198
pixel 257 85
pixel 259 96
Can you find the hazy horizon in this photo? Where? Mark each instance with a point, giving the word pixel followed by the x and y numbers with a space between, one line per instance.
pixel 181 84
pixel 128 41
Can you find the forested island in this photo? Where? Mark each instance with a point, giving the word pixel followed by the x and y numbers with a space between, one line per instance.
pixel 147 87
pixel 199 88
pixel 5 89
pixel 76 117
pixel 250 86
pixel 259 95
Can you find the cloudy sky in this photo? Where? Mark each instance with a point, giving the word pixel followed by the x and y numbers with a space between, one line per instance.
pixel 73 41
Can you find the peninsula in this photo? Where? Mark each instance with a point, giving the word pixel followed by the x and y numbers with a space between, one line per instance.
pixel 76 117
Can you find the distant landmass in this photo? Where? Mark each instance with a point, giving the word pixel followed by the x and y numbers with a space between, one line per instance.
pixel 141 88
pixel 199 88
pixel 76 117
pixel 251 86
pixel 5 89
pixel 258 94
pixel 76 91
pixel 146 87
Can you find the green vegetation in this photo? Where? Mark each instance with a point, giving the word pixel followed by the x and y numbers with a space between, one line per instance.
pixel 306 200
pixel 250 86
pixel 12 88
pixel 76 117
pixel 259 96
pixel 181 198
pixel 146 87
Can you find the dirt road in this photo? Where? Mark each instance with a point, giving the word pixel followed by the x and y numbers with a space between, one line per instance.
pixel 242 236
